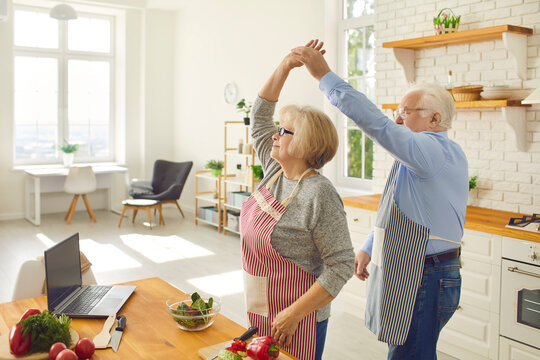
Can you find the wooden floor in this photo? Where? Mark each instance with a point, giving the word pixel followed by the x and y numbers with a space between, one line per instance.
pixel 193 258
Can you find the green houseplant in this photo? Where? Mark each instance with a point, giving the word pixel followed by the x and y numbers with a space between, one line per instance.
pixel 257 171
pixel 68 151
pixel 472 182
pixel 446 22
pixel 245 107
pixel 215 167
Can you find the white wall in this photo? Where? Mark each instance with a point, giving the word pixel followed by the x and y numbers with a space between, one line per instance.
pixel 240 41
pixel 508 179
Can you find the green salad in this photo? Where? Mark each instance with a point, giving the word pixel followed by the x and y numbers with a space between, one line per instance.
pixel 196 314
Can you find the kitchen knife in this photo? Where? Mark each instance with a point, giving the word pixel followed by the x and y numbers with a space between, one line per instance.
pixel 101 340
pixel 245 336
pixel 118 332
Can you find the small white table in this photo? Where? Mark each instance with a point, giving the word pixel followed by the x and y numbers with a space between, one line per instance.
pixel 51 179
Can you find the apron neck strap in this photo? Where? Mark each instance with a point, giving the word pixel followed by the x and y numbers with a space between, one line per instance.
pixel 289 198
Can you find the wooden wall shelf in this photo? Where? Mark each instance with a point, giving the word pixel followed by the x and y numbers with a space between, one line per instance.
pixel 513 112
pixel 474 104
pixel 459 37
pixel 514 39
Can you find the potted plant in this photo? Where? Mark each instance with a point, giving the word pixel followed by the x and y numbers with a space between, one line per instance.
pixel 215 167
pixel 472 182
pixel 446 22
pixel 245 107
pixel 68 151
pixel 257 171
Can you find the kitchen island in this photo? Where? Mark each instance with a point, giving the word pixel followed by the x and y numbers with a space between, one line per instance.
pixel 150 331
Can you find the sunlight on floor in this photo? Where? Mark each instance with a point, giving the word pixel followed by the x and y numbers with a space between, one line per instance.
pixel 221 284
pixel 160 249
pixel 106 257
pixel 45 240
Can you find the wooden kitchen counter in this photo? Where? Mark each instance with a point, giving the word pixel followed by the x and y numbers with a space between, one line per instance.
pixel 150 331
pixel 477 218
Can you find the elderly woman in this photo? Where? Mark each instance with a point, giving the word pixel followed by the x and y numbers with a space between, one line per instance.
pixel 296 249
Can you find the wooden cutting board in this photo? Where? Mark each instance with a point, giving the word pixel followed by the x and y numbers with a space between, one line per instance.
pixel 209 350
pixel 5 354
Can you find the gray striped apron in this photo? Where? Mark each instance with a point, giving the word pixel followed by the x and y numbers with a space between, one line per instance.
pixel 397 264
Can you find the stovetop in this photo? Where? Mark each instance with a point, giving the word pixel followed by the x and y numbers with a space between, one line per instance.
pixel 526 223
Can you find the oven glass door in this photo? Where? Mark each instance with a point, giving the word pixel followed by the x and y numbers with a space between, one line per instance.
pixel 520 302
pixel 528 308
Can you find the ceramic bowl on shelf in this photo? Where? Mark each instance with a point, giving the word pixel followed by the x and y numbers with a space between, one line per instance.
pixel 500 94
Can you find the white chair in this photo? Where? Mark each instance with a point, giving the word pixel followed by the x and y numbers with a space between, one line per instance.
pixel 80 181
pixel 31 277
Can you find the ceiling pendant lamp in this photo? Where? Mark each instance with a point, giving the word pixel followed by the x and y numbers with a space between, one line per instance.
pixel 63 12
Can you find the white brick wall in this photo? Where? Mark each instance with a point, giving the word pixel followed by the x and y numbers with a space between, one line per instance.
pixel 507 178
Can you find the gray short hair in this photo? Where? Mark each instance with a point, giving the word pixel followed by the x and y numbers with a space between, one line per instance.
pixel 436 99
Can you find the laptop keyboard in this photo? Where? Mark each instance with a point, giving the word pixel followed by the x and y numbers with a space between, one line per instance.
pixel 86 300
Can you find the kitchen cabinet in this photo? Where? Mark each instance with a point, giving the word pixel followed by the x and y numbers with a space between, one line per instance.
pixel 473 331
pixel 512 350
pixel 514 39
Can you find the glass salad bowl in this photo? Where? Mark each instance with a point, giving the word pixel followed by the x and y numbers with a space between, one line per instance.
pixel 194 312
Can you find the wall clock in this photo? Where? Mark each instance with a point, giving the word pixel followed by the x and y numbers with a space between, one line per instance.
pixel 230 93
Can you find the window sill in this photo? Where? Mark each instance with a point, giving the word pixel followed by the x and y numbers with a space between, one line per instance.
pixel 346 191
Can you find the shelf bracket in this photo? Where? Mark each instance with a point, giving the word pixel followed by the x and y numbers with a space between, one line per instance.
pixel 516 118
pixel 405 57
pixel 516 44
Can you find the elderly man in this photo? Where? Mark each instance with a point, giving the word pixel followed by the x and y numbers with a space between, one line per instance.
pixel 414 278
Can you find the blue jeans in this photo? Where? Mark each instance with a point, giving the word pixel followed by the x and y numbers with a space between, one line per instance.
pixel 320 338
pixel 436 302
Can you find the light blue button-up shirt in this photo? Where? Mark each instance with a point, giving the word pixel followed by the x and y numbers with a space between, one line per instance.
pixel 432 184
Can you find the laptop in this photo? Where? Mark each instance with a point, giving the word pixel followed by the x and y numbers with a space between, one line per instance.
pixel 65 292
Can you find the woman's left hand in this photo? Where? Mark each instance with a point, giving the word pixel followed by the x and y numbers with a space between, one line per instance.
pixel 284 326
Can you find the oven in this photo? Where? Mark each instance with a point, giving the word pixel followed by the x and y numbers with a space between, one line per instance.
pixel 520 292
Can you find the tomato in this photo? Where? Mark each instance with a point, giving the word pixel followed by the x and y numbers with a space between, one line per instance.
pixel 85 348
pixel 66 355
pixel 55 349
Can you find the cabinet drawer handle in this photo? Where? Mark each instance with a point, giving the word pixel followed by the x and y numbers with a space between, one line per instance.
pixel 459 307
pixel 517 270
pixel 355 219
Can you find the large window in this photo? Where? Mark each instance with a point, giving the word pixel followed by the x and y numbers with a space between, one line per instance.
pixel 357 67
pixel 63 86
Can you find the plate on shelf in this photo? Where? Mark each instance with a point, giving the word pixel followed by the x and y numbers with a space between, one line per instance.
pixel 499 94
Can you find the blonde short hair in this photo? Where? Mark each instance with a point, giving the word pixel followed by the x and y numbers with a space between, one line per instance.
pixel 315 137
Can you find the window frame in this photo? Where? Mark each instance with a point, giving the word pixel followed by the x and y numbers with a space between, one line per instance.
pixel 63 55
pixel 343 25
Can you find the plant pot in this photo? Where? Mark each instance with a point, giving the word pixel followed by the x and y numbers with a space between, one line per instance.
pixel 246 121
pixel 449 28
pixel 215 172
pixel 68 159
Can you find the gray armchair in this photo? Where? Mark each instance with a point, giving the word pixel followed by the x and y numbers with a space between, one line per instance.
pixel 166 185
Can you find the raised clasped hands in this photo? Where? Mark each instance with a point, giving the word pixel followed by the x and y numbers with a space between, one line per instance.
pixel 311 55
pixel 294 60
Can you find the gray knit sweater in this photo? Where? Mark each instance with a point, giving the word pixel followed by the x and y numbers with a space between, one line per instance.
pixel 313 232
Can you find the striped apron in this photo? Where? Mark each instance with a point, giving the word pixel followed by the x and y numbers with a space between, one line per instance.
pixel 397 264
pixel 271 282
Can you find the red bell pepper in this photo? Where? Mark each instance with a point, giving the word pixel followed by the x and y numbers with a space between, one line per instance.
pixel 238 347
pixel 29 312
pixel 18 343
pixel 263 348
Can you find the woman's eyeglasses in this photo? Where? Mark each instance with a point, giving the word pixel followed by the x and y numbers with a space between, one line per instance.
pixel 282 131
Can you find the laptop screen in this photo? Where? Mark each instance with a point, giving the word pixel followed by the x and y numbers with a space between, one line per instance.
pixel 62 269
